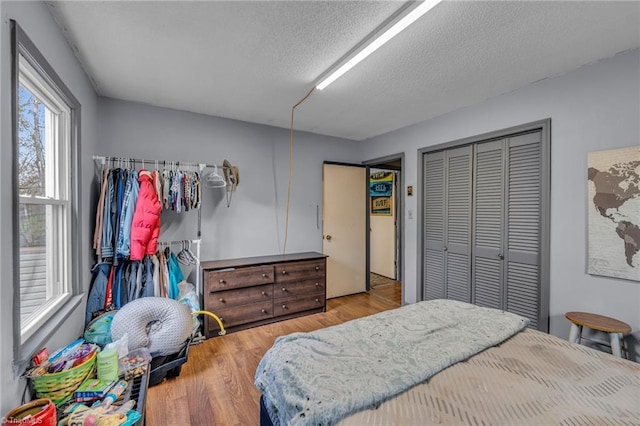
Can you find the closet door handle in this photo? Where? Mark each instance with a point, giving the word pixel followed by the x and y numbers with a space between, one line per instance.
pixel 501 256
pixel 445 248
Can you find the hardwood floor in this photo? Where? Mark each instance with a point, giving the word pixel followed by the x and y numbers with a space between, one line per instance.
pixel 386 288
pixel 215 386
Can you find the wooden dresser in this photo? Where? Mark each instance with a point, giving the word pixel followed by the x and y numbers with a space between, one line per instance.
pixel 253 291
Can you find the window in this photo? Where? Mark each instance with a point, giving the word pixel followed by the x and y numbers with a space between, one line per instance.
pixel 46 236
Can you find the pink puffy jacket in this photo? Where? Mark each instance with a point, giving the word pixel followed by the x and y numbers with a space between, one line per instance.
pixel 145 227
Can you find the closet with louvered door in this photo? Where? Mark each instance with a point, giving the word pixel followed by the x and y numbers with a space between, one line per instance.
pixel 523 226
pixel 483 208
pixel 447 225
pixel 488 225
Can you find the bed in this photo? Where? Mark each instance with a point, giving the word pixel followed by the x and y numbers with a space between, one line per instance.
pixel 442 362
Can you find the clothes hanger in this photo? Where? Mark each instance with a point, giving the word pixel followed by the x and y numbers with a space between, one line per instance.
pixel 183 256
pixel 215 180
pixel 194 258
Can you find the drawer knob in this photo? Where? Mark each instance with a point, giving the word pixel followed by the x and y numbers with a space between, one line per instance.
pixel 264 293
pixel 317 284
pixel 284 289
pixel 221 300
pixel 284 272
pixel 264 311
pixel 317 268
pixel 221 319
pixel 284 306
pixel 317 300
pixel 264 275
pixel 221 281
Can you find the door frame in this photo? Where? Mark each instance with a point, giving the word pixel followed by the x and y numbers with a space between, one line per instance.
pixel 545 236
pixel 399 210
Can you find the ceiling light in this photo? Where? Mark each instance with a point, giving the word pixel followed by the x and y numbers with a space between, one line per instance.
pixel 387 33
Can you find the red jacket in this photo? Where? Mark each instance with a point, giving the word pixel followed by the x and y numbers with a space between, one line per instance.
pixel 145 227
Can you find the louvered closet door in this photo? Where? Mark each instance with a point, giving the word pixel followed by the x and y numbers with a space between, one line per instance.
pixel 433 261
pixel 524 192
pixel 457 256
pixel 483 225
pixel 489 225
pixel 447 224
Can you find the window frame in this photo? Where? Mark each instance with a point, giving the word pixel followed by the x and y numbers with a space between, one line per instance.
pixel 53 313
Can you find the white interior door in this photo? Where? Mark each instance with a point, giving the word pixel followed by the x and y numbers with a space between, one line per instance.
pixel 344 228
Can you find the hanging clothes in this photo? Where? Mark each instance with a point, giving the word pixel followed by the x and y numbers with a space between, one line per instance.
pixel 106 241
pixel 147 285
pixel 145 227
pixel 98 292
pixel 175 276
pixel 155 275
pixel 126 234
pixel 130 199
pixel 163 276
pixel 97 233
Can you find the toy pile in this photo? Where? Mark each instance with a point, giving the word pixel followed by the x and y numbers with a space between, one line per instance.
pixel 90 386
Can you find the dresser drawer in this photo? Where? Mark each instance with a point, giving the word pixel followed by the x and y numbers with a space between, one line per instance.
pixel 253 291
pixel 241 296
pixel 243 314
pixel 298 271
pixel 299 288
pixel 238 278
pixel 297 304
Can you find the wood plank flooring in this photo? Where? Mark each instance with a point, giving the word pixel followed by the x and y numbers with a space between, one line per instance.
pixel 215 386
pixel 390 291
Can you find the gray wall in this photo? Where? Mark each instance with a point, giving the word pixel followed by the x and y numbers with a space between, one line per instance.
pixel 36 21
pixel 593 108
pixel 254 224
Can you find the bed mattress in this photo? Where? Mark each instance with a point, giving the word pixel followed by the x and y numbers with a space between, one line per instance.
pixel 320 377
pixel 531 379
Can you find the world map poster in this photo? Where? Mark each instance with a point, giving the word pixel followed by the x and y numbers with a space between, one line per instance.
pixel 614 213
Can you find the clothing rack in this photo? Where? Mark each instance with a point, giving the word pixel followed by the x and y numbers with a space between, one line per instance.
pixel 170 243
pixel 122 161
pixel 201 166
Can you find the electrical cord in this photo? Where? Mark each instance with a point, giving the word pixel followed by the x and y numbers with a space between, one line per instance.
pixel 286 221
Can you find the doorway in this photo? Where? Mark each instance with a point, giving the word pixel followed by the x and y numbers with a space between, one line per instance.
pixel 384 259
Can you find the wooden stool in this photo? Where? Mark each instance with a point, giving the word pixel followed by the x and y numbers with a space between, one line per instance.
pixel 612 326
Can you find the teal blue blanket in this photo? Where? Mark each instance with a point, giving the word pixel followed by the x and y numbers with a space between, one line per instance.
pixel 321 377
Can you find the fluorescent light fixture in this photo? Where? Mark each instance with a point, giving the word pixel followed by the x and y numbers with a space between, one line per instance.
pixel 379 41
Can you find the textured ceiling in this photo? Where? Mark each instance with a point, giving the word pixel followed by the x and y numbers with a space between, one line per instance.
pixel 253 60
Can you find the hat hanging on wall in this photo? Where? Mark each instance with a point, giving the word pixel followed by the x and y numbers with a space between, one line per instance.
pixel 232 177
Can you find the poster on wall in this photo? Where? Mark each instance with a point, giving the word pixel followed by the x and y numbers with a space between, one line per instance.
pixel 614 213
pixel 381 193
